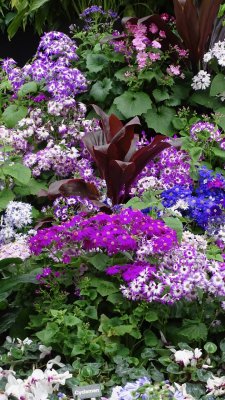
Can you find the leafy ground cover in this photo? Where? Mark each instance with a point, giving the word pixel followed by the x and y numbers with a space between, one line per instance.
pixel 112 233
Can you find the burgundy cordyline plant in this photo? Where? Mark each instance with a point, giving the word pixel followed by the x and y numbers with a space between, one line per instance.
pixel 116 154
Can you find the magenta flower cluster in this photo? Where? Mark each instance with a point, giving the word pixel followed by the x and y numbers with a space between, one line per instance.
pixel 126 231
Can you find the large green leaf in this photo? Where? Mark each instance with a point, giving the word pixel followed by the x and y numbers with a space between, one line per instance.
pixel 96 62
pixel 27 88
pixel 18 171
pixel 161 120
pixel 11 283
pixel 217 85
pixel 194 331
pixel 13 114
pixel 101 89
pixel 175 224
pixel 131 104
pixel 218 152
pixel 35 4
pixel 221 117
pixel 6 195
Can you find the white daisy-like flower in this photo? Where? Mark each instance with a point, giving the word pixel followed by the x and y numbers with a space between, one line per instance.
pixel 201 81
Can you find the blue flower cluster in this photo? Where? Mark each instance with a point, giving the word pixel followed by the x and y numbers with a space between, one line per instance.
pixel 205 203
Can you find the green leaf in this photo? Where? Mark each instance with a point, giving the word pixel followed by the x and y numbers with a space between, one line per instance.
pixel 120 74
pixel 101 89
pixel 175 224
pixel 18 171
pixel 96 62
pixel 27 88
pixel 47 334
pixel 77 349
pixel 151 316
pixel 194 331
pixel 148 75
pixel 133 103
pixel 161 120
pixel 160 94
pixel 10 261
pixel 91 312
pixel 218 152
pixel 195 153
pixel 99 261
pixel 150 338
pixel 220 117
pixel 11 283
pixel 13 114
pixel 71 320
pixel 217 85
pixel 203 99
pixel 210 347
pixel 103 287
pixel 35 4
pixel 178 123
pixel 6 195
pixel 122 330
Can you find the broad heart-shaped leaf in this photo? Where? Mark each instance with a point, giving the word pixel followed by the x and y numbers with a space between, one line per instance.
pixel 175 224
pixel 133 103
pixel 194 331
pixel 161 120
pixel 18 171
pixel 27 88
pixel 217 85
pixel 160 94
pixel 96 62
pixel 13 114
pixel 6 195
pixel 219 152
pixel 221 117
pixel 121 74
pixel 101 89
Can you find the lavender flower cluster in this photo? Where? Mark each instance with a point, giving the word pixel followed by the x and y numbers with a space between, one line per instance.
pixel 205 204
pixel 126 231
pixel 53 65
pixel 170 168
pixel 143 388
pixel 209 131
pixel 181 272
pixel 65 207
pixel 50 139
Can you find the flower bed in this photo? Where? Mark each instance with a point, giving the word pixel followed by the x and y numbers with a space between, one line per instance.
pixel 112 234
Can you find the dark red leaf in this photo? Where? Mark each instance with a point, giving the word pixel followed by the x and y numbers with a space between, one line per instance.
pixel 120 172
pixel 207 16
pixel 78 187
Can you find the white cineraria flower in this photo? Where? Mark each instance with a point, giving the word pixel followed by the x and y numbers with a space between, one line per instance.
pixel 26 341
pixel 216 385
pixel 208 56
pixel 45 351
pixel 197 353
pixel 182 390
pixel 55 361
pixel 115 393
pixel 183 357
pixel 201 80
pixel 18 214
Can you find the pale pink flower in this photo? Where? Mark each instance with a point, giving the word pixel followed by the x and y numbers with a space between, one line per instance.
pixel 153 28
pixel 156 44
pixel 142 59
pixel 173 70
pixel 139 43
pixel 154 56
pixel 162 34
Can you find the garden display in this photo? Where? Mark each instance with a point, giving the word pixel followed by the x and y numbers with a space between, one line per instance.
pixel 112 209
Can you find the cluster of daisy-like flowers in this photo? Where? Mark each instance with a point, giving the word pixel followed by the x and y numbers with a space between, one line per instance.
pixel 205 204
pixel 181 273
pixel 16 216
pixel 126 231
pixel 38 385
pixel 53 65
pixel 171 167
pixel 65 207
pixel 144 388
pixel 203 79
pixel 207 131
pixel 144 42
pixel 50 140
